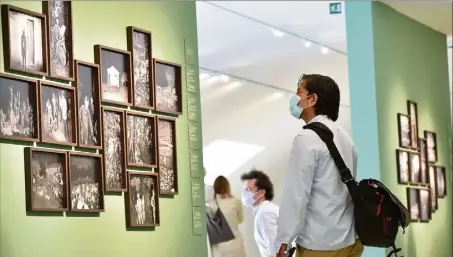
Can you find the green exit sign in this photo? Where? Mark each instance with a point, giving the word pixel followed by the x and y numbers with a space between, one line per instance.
pixel 335 8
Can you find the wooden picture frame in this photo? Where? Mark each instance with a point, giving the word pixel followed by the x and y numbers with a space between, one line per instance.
pixel 413 119
pixel 413 204
pixel 139 44
pixel 424 172
pixel 403 167
pixel 114 145
pixel 441 181
pixel 16 49
pixel 433 187
pixel 60 61
pixel 140 132
pixel 415 171
pixel 163 71
pixel 168 168
pixel 81 166
pixel 88 102
pixel 431 146
pixel 17 124
pixel 404 131
pixel 49 191
pixel 425 205
pixel 53 114
pixel 150 216
pixel 116 86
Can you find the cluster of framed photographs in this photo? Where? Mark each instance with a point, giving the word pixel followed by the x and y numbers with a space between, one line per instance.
pixel 104 106
pixel 417 166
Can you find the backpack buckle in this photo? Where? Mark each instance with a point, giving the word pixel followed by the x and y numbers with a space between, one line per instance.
pixel 348 177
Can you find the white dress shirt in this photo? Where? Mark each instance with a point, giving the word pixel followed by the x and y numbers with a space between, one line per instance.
pixel 316 209
pixel 265 222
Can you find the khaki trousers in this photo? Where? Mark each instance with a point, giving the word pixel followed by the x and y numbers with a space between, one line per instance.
pixel 354 250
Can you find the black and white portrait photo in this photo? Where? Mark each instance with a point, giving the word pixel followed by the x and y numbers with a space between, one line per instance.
pixel 441 182
pixel 425 210
pixel 139 44
pixel 88 106
pixel 115 68
pixel 404 130
pixel 114 152
pixel 433 187
pixel 86 188
pixel 415 168
pixel 18 108
pixel 413 203
pixel 143 199
pixel 403 162
pixel 168 87
pixel 27 37
pixel 141 143
pixel 431 146
pixel 57 115
pixel 167 155
pixel 412 108
pixel 48 172
pixel 423 162
pixel 59 18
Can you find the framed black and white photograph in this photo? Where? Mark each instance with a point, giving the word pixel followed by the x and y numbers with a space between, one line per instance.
pixel 59 34
pixel 433 187
pixel 431 146
pixel 415 168
pixel 141 140
pixel 19 114
pixel 139 43
pixel 168 87
pixel 425 205
pixel 114 150
pixel 424 173
pixel 413 115
pixel 404 132
pixel 403 166
pixel 86 182
pixel 413 203
pixel 25 40
pixel 88 105
pixel 441 182
pixel 46 180
pixel 116 77
pixel 58 119
pixel 168 168
pixel 142 200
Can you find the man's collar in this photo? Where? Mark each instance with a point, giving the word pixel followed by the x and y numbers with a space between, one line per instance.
pixel 318 118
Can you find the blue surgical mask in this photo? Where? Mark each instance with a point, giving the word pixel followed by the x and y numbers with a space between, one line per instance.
pixel 294 109
pixel 247 198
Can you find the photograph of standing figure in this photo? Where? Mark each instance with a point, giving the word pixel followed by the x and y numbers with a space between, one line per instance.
pixel 431 146
pixel 441 182
pixel 47 174
pixel 59 19
pixel 415 168
pixel 166 132
pixel 142 200
pixel 433 187
pixel 425 205
pixel 57 114
pixel 403 166
pixel 413 114
pixel 424 173
pixel 413 203
pixel 18 108
pixel 404 131
pixel 141 140
pixel 86 185
pixel 168 87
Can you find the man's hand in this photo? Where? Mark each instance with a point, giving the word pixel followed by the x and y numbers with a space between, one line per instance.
pixel 281 252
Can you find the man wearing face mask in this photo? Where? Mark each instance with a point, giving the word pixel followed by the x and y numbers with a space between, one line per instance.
pixel 257 194
pixel 316 209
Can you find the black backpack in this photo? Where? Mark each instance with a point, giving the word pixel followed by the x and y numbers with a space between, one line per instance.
pixel 377 212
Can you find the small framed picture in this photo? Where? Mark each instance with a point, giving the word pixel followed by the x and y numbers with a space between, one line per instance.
pixel 413 202
pixel 141 140
pixel 431 146
pixel 116 75
pixel 424 173
pixel 88 105
pixel 425 205
pixel 139 43
pixel 404 136
pixel 168 87
pixel 25 40
pixel 58 119
pixel 142 200
pixel 114 150
pixel 403 166
pixel 19 111
pixel 441 182
pixel 46 180
pixel 59 33
pixel 415 168
pixel 413 115
pixel 433 187
pixel 86 182
pixel 168 167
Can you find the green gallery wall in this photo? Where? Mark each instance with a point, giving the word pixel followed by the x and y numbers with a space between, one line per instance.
pixel 105 235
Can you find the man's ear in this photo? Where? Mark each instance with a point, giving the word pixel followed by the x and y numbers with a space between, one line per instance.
pixel 314 99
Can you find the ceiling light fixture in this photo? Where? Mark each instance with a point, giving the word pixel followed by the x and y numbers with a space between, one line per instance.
pixel 324 50
pixel 307 43
pixel 277 33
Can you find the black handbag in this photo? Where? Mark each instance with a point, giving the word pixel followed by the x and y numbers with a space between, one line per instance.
pixel 218 229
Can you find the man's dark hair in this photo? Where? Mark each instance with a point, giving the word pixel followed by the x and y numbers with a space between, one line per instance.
pixel 262 182
pixel 328 94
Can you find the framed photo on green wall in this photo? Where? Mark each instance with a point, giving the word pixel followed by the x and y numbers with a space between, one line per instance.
pixel 413 204
pixel 431 145
pixel 168 87
pixel 404 131
pixel 403 166
pixel 425 205
pixel 433 187
pixel 413 116
pixel 168 161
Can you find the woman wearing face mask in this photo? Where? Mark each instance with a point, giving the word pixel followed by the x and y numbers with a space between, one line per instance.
pixel 231 208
